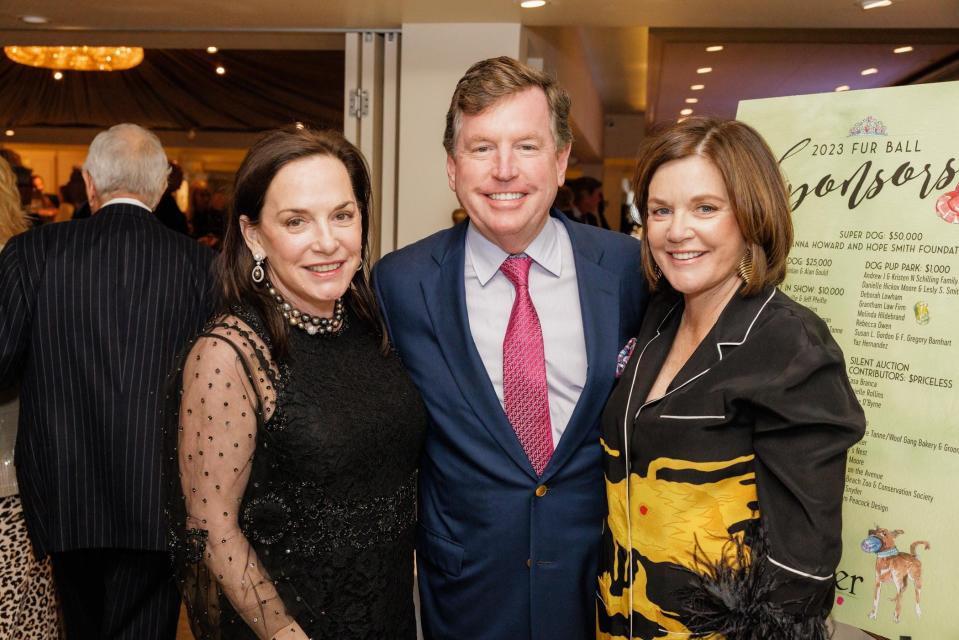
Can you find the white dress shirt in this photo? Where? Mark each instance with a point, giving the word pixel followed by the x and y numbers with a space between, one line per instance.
pixel 125 201
pixel 555 294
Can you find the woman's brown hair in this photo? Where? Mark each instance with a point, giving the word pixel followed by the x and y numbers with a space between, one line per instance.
pixel 263 161
pixel 757 191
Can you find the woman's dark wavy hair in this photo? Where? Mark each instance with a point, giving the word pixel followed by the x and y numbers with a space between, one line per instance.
pixel 263 161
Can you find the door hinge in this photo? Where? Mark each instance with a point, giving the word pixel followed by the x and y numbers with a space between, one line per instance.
pixel 359 103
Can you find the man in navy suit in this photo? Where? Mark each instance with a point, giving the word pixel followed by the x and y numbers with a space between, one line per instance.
pixel 510 324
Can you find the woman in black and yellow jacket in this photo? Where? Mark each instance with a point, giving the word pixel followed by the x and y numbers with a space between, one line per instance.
pixel 725 440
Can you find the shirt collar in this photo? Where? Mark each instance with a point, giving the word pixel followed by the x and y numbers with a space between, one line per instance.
pixel 132 201
pixel 487 257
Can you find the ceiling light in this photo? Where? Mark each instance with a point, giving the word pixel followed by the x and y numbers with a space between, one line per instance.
pixel 34 19
pixel 220 70
pixel 692 100
pixel 686 112
pixel 868 72
pixel 532 4
pixel 58 75
pixel 9 133
pixel 697 87
pixel 714 48
pixel 874 4
pixel 842 87
pixel 79 58
pixel 702 70
pixel 905 49
pixel 211 49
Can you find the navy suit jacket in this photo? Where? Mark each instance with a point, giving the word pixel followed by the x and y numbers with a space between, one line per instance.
pixel 502 553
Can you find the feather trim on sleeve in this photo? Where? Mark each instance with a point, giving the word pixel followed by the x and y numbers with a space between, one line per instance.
pixel 731 597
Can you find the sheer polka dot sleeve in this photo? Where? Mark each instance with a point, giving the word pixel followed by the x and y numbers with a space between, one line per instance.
pixel 220 408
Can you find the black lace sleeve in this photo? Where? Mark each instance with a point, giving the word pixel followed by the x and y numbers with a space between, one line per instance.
pixel 217 408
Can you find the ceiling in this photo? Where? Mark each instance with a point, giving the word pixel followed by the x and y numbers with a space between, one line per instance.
pixel 641 54
pixel 179 90
pixel 773 63
pixel 391 14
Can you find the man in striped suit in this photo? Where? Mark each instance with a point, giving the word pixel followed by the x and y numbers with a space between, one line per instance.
pixel 92 315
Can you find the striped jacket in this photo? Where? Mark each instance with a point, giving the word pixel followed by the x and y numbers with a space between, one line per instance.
pixel 92 316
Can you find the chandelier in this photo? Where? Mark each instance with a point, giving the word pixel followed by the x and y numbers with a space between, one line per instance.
pixel 82 58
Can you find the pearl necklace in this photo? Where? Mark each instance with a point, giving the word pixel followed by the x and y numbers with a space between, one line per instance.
pixel 306 322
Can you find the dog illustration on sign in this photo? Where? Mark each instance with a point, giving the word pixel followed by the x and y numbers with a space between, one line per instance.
pixel 894 566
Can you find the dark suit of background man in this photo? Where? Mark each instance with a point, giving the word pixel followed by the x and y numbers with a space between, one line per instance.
pixel 515 367
pixel 92 315
pixel 167 210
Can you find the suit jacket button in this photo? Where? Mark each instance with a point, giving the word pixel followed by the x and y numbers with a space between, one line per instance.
pixel 541 490
pixel 529 563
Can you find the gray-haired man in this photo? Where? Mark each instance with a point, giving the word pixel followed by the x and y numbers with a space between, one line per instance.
pixel 92 315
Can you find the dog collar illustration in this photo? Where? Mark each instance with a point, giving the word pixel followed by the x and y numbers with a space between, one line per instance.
pixel 894 566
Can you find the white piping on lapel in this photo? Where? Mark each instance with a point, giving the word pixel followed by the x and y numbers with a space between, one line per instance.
pixel 719 347
pixel 649 402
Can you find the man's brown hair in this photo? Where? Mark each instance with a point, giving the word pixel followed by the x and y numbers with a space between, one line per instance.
pixel 757 192
pixel 488 81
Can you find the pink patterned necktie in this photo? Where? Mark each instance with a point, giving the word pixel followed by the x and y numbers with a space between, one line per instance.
pixel 525 393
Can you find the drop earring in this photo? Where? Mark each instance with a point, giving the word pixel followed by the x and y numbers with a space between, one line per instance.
pixel 258 275
pixel 745 266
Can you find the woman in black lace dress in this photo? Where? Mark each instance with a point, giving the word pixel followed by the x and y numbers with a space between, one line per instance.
pixel 292 498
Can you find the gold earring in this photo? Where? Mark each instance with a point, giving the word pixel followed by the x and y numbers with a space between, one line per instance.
pixel 745 266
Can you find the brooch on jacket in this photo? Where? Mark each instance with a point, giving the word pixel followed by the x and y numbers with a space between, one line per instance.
pixel 624 355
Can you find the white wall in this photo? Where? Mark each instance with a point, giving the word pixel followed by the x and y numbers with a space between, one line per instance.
pixel 433 59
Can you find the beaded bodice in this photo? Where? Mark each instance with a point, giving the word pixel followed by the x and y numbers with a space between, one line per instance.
pixel 327 502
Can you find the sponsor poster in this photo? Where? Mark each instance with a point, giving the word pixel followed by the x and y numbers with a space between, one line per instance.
pixel 874 183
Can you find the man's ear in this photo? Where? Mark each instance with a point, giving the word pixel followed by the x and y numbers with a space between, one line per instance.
pixel 91 190
pixel 451 172
pixel 251 236
pixel 562 160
